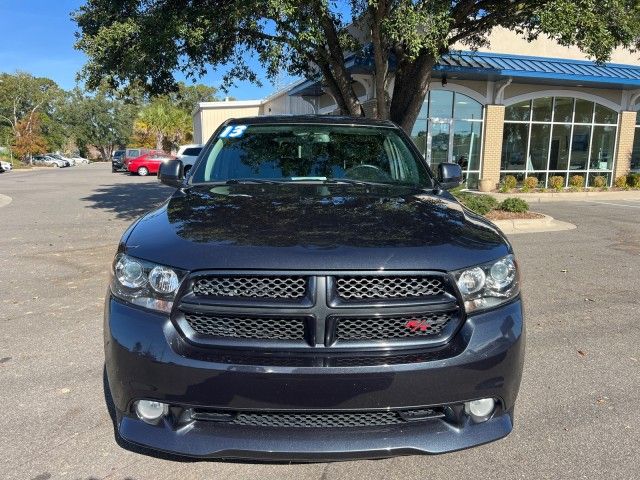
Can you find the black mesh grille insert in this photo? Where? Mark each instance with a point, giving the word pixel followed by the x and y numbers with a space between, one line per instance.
pixel 386 328
pixel 225 326
pixel 287 287
pixel 315 419
pixel 360 288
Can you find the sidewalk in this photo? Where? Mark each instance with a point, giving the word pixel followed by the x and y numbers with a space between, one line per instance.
pixel 538 197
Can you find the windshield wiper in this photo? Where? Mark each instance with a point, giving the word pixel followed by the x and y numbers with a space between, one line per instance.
pixel 237 181
pixel 350 181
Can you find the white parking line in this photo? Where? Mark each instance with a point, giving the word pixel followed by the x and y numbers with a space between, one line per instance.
pixel 617 204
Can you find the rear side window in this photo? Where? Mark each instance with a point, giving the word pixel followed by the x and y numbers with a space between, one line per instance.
pixel 192 152
pixel 133 153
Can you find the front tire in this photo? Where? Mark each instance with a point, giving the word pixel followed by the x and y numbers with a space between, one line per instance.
pixel 143 171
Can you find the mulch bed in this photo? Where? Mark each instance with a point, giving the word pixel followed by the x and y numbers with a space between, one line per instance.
pixel 502 215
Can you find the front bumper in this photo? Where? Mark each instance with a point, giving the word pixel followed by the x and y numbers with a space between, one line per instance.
pixel 147 358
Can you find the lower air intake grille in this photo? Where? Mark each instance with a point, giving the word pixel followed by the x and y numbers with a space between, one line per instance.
pixel 224 326
pixel 315 420
pixel 388 328
pixel 381 288
pixel 286 287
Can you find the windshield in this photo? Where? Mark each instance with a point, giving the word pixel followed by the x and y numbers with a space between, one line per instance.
pixel 311 152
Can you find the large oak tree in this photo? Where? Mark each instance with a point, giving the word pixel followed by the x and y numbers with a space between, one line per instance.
pixel 147 41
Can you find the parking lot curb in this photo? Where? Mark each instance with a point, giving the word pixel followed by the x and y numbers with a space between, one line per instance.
pixel 5 200
pixel 533 225
pixel 569 196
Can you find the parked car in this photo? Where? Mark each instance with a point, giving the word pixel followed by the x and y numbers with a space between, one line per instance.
pixel 5 166
pixel 59 156
pixel 81 160
pixel 188 154
pixel 49 161
pixel 311 291
pixel 148 163
pixel 117 161
pixel 131 153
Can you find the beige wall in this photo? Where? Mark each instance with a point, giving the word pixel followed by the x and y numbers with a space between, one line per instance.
pixel 210 115
pixel 506 41
pixel 283 104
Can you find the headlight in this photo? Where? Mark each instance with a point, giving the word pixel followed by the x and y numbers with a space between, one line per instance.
pixel 145 283
pixel 488 285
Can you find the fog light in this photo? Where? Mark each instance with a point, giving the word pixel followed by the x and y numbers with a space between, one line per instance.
pixel 480 410
pixel 150 411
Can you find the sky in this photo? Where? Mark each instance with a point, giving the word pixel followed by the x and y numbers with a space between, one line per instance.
pixel 37 36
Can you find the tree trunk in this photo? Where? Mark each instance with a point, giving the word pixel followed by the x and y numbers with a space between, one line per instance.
pixel 381 59
pixel 409 90
pixel 159 141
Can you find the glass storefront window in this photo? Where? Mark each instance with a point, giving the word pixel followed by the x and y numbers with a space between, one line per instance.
pixel 542 109
pixel 604 139
pixel 440 104
pixel 605 115
pixel 561 136
pixel 539 147
pixel 584 111
pixel 563 110
pixel 449 129
pixel 466 108
pixel 518 112
pixel 559 152
pixel 466 144
pixel 580 147
pixel 635 153
pixel 514 146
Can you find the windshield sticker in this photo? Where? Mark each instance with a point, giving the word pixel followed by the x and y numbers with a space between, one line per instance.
pixel 233 131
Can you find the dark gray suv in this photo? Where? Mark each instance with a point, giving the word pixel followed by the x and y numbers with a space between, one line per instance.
pixel 311 292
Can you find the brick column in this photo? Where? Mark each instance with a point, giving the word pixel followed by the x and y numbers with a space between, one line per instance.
pixel 626 132
pixel 492 140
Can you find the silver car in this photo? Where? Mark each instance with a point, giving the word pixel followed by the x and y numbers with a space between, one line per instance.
pixel 49 161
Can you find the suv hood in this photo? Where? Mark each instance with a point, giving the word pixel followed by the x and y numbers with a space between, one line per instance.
pixel 313 227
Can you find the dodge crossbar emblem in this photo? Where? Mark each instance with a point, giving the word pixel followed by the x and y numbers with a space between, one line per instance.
pixel 414 325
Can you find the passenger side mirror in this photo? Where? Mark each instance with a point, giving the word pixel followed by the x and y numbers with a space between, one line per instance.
pixel 449 175
pixel 171 173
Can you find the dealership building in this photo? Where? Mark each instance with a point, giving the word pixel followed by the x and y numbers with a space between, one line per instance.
pixel 515 108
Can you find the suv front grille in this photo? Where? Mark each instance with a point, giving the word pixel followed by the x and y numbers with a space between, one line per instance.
pixel 245 327
pixel 254 310
pixel 389 328
pixel 387 287
pixel 287 287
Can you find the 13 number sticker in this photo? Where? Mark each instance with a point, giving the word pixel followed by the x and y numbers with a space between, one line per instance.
pixel 233 131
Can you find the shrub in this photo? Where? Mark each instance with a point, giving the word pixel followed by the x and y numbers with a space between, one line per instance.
pixel 481 204
pixel 621 181
pixel 556 182
pixel 633 180
pixel 576 181
pixel 599 181
pixel 509 182
pixel 530 183
pixel 514 205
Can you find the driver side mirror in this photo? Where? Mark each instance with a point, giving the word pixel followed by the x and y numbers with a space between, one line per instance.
pixel 449 175
pixel 171 173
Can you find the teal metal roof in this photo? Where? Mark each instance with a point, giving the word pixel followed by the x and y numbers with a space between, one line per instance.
pixel 495 66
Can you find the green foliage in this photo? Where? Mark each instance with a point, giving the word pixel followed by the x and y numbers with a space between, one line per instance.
pixel 621 181
pixel 139 42
pixel 516 205
pixel 556 182
pixel 633 180
pixel 480 204
pixel 599 181
pixel 530 183
pixel 164 122
pixel 509 182
pixel 576 181
pixel 100 121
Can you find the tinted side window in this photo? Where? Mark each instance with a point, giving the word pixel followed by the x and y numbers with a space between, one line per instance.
pixel 192 152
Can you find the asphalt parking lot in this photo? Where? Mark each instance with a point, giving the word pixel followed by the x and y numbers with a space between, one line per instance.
pixel 577 411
